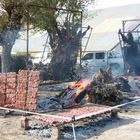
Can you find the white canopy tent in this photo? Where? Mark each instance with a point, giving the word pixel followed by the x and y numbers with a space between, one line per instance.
pixel 106 23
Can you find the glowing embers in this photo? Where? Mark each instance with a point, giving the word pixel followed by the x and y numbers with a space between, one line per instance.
pixel 76 93
pixel 72 114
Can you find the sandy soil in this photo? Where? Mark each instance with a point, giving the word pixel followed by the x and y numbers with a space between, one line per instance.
pixel 124 128
pixel 127 127
pixel 10 129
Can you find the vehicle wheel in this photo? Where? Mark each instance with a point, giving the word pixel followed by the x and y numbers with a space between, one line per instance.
pixel 114 66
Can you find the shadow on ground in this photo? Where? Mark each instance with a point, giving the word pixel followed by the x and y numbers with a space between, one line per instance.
pixel 94 128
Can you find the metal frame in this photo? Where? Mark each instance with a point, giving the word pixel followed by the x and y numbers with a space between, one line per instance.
pixel 109 109
pixel 132 20
pixel 85 47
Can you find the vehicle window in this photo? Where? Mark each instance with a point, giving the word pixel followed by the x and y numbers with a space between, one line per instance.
pixel 88 56
pixel 99 55
pixel 114 55
pixel 49 55
pixel 110 55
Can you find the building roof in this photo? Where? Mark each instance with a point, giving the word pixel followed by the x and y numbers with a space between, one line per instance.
pixel 106 23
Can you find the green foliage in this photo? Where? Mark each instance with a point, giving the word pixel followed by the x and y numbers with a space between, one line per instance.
pixel 3 19
pixel 16 10
pixel 47 18
pixel 40 18
pixel 53 20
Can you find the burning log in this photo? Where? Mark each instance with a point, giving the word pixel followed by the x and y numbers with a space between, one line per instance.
pixel 76 93
pixel 102 90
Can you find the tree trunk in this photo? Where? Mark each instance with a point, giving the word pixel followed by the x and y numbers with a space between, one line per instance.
pixel 7 40
pixel 65 41
pixel 6 59
pixel 66 53
pixel 62 64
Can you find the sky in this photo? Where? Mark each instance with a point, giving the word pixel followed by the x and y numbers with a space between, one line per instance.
pixel 99 4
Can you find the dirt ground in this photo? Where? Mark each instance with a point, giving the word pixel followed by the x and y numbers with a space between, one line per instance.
pixel 127 127
pixel 10 129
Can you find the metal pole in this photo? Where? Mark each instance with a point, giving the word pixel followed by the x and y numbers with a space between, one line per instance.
pixel 81 45
pixel 54 8
pixel 105 110
pixel 35 113
pixel 87 40
pixel 133 31
pixel 122 50
pixel 44 48
pixel 27 43
pixel 73 129
pixel 131 20
pixel 123 26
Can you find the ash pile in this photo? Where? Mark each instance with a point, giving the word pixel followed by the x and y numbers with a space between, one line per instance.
pixel 103 89
pixel 39 129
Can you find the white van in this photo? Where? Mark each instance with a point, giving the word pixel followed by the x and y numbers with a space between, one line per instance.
pixel 93 61
pixel 43 58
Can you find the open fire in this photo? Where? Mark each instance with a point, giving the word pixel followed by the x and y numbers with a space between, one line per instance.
pixel 103 89
pixel 76 93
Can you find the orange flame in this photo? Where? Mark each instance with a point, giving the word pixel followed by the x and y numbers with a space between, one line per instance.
pixel 81 85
